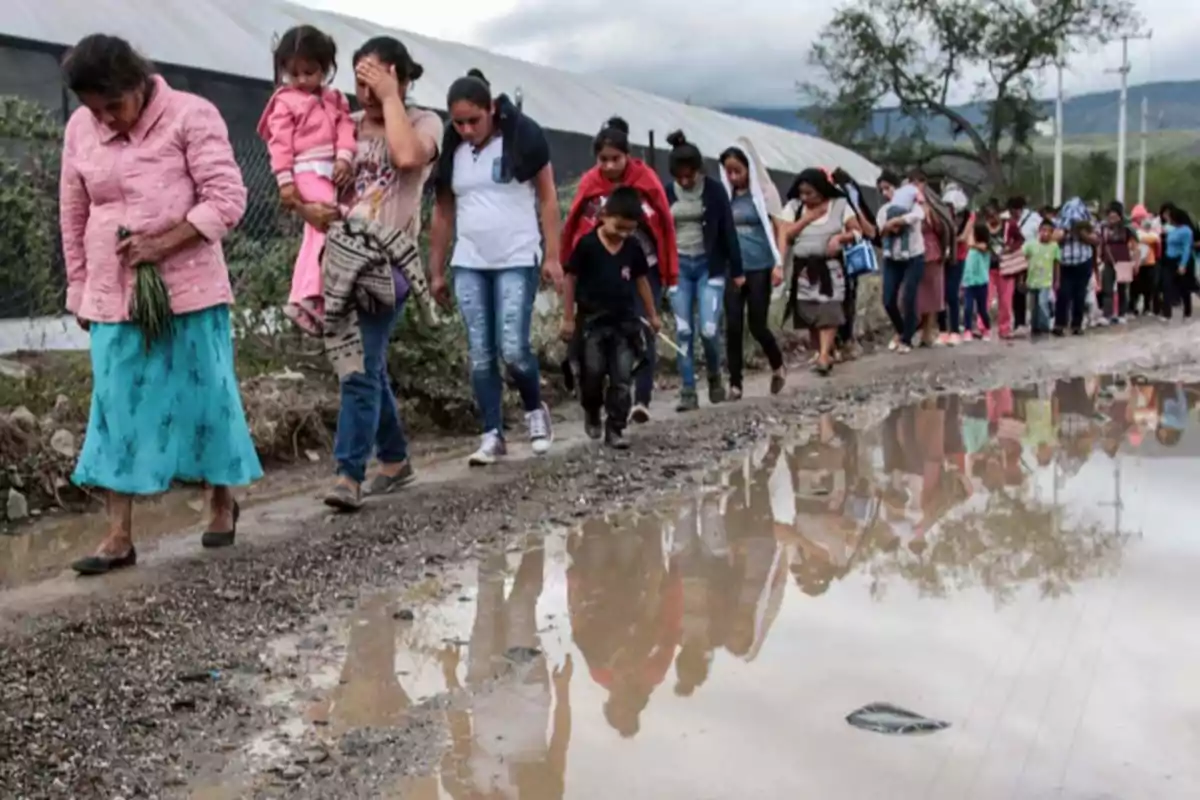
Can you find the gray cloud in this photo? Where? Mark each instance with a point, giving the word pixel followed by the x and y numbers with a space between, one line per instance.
pixel 755 52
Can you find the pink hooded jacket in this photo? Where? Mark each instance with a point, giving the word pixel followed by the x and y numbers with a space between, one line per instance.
pixel 175 164
pixel 299 126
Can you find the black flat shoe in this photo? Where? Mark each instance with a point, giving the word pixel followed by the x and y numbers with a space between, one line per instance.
pixel 92 566
pixel 212 540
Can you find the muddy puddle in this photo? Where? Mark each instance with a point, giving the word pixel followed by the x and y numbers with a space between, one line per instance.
pixel 1018 565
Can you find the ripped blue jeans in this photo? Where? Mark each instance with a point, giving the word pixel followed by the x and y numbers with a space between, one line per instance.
pixel 497 309
pixel 697 291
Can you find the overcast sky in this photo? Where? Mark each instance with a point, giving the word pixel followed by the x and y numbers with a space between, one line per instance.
pixel 751 53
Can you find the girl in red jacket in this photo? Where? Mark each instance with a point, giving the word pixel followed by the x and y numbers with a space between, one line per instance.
pixel 616 167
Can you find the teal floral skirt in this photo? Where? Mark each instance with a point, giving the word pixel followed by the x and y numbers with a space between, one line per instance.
pixel 170 413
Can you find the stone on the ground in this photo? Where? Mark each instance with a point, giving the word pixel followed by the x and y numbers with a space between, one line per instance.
pixel 22 417
pixel 17 507
pixel 63 443
pixel 62 405
pixel 14 369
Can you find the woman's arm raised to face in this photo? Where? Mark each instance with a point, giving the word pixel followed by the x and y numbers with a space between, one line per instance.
pixel 410 146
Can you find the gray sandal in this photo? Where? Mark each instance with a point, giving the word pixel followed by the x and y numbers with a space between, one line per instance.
pixel 386 484
pixel 343 498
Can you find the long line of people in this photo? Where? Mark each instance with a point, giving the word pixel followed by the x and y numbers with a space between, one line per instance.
pixel 149 177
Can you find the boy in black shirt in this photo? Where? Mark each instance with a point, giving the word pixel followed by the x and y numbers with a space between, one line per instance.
pixel 606 288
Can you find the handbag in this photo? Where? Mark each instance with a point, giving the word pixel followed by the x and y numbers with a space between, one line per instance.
pixel 1124 271
pixel 860 258
pixel 1013 263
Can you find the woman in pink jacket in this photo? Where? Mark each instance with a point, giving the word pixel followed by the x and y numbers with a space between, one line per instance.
pixel 143 157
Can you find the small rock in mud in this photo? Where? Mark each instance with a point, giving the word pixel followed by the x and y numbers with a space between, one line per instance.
pixel 404 615
pixel 292 772
pixel 522 655
pixel 63 443
pixel 22 417
pixel 17 507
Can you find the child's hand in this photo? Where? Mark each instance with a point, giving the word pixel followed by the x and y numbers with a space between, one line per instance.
pixel 342 173
pixel 567 331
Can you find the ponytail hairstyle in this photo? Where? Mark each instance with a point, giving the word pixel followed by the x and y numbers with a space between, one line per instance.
pixel 684 155
pixel 391 52
pixel 472 88
pixel 614 134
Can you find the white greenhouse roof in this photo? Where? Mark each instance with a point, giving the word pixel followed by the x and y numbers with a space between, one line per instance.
pixel 234 37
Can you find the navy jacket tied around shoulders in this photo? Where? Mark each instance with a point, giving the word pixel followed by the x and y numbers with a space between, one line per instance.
pixel 525 149
pixel 720 233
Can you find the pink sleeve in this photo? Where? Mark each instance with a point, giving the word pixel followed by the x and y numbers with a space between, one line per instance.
pixel 219 187
pixel 73 208
pixel 347 140
pixel 280 126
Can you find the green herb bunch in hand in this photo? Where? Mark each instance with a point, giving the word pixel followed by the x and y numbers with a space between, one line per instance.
pixel 150 305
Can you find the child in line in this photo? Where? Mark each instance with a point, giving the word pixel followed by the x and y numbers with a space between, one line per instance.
pixel 976 280
pixel 1044 257
pixel 310 137
pixel 605 291
pixel 901 205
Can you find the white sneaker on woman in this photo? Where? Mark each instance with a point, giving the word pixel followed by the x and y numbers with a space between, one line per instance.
pixel 491 450
pixel 541 430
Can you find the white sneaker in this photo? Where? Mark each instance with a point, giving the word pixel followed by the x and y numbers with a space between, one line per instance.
pixel 491 450
pixel 541 430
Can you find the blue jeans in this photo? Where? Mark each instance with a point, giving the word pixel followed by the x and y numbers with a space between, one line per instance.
pixel 695 288
pixel 367 415
pixel 497 308
pixel 902 278
pixel 644 387
pixel 975 308
pixel 949 320
pixel 1039 299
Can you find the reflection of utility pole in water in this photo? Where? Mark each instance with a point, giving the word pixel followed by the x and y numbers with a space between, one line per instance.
pixel 1116 503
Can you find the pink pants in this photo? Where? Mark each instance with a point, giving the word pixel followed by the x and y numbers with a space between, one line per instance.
pixel 1001 294
pixel 306 275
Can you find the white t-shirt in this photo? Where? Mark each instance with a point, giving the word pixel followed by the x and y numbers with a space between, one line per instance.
pixel 496 223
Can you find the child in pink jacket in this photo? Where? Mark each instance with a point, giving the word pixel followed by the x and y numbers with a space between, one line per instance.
pixel 310 136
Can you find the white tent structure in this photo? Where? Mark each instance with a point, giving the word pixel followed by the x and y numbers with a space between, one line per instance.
pixel 233 37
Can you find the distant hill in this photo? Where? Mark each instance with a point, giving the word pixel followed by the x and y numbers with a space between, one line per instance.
pixel 1174 106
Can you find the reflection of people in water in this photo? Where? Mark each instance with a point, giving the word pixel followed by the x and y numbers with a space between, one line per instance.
pixel 826 535
pixel 499 745
pixel 369 694
pixel 626 610
pixel 700 562
pixel 758 563
pixel 1172 414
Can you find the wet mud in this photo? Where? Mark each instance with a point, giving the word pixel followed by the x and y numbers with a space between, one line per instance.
pixel 696 618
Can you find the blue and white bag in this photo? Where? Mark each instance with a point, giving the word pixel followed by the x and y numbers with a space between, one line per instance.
pixel 860 258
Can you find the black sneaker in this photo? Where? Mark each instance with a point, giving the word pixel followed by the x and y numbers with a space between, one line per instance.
pixel 615 438
pixel 716 391
pixel 592 425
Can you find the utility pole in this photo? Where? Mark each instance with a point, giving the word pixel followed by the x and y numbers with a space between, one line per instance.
pixel 1058 140
pixel 1123 110
pixel 1142 158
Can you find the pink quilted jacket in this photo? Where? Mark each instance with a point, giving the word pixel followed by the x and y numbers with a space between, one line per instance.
pixel 299 126
pixel 175 165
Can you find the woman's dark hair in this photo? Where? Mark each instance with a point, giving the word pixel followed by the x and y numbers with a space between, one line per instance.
pixel 308 43
pixel 614 134
pixel 983 234
pixel 105 65
pixel 624 203
pixel 1017 203
pixel 473 88
pixel 820 182
pixel 890 178
pixel 684 154
pixel 1116 207
pixel 393 53
pixel 737 154
pixel 917 175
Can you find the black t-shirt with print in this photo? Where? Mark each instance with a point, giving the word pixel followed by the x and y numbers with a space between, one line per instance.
pixel 606 282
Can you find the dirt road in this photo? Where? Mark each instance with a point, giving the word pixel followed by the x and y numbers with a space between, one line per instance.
pixel 139 686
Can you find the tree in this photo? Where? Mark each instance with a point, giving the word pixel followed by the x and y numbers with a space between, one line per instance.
pixel 922 54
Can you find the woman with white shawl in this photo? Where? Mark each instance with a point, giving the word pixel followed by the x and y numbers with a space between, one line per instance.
pixel 756 209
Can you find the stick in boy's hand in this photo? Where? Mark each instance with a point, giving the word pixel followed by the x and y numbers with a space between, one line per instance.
pixel 658 332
